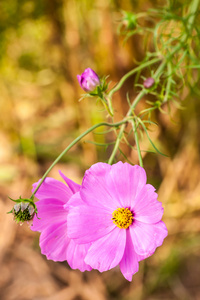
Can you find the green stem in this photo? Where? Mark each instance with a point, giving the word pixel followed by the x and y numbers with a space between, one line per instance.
pixel 126 76
pixel 71 145
pixel 135 102
pixel 146 111
pixel 137 143
pixel 169 82
pixel 108 104
pixel 129 113
pixel 119 137
pixel 192 11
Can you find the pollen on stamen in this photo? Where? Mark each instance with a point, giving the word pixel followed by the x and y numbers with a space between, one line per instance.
pixel 122 217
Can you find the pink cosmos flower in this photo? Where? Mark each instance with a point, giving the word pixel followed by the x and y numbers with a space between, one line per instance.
pixel 51 221
pixel 88 80
pixel 119 214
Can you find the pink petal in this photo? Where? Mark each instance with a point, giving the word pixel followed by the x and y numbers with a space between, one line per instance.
pixel 129 263
pixel 142 257
pixel 76 254
pixel 74 187
pixel 161 230
pixel 79 79
pixel 74 201
pixel 54 242
pixel 160 226
pixel 147 237
pixel 125 182
pixel 146 208
pixel 96 190
pixel 87 223
pixel 107 252
pixel 49 211
pixel 53 189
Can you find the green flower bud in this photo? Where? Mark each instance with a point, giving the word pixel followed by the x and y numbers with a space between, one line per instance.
pixel 129 20
pixel 23 210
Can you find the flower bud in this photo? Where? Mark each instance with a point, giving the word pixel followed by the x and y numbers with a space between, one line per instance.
pixel 149 82
pixel 23 210
pixel 88 80
pixel 129 20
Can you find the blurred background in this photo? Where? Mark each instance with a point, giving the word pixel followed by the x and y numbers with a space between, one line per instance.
pixel 43 46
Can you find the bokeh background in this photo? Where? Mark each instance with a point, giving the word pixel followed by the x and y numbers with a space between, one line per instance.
pixel 44 44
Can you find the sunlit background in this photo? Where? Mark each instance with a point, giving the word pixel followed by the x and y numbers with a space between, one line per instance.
pixel 43 46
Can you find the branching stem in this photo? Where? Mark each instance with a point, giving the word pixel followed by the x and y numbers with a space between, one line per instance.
pixel 71 145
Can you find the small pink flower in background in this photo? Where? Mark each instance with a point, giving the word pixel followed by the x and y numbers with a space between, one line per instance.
pixel 119 214
pixel 51 221
pixel 149 82
pixel 88 80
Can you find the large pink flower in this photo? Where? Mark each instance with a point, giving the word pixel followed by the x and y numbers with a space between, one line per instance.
pixel 119 214
pixel 51 221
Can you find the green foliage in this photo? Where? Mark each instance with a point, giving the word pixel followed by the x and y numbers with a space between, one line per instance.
pixel 175 36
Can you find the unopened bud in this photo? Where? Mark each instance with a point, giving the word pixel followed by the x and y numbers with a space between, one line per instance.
pixel 149 82
pixel 23 210
pixel 129 20
pixel 88 80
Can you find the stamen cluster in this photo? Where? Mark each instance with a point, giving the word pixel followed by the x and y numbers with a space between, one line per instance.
pixel 122 217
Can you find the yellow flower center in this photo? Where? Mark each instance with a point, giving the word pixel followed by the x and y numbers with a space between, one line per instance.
pixel 122 217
